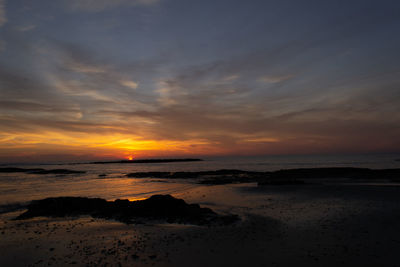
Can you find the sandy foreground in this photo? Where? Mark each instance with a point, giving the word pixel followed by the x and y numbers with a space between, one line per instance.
pixel 318 224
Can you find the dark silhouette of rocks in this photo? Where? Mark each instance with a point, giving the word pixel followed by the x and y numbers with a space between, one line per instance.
pixel 224 180
pixel 40 171
pixel 353 173
pixel 10 169
pixel 11 207
pixel 280 177
pixel 293 176
pixel 281 182
pixel 157 207
pixel 146 161
pixel 190 175
pixel 57 171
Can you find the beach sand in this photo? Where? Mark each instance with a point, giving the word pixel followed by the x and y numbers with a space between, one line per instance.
pixel 317 224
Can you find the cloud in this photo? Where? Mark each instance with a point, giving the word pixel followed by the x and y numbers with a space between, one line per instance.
pixel 129 84
pixel 82 67
pixel 274 79
pixel 231 78
pixel 3 17
pixel 2 45
pixel 100 5
pixel 221 106
pixel 26 28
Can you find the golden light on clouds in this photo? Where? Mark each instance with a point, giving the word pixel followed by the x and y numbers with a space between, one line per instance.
pixel 114 145
pixel 130 84
pixel 114 83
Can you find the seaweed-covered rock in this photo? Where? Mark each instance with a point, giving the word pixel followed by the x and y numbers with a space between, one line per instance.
pixel 63 206
pixel 281 182
pixel 157 207
pixel 12 169
pixel 39 171
pixel 199 174
pixel 287 176
pixel 57 171
pixel 336 172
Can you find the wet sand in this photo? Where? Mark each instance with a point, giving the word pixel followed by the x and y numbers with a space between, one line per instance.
pixel 317 224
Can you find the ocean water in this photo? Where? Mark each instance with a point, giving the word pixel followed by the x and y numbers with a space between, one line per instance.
pixel 21 187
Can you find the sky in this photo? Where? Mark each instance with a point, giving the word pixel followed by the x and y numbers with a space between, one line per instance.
pixel 104 79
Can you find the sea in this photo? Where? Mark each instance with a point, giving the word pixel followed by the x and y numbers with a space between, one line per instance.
pixel 109 181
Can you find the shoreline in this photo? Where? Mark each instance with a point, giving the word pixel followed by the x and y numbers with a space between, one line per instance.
pixel 314 225
pixel 321 222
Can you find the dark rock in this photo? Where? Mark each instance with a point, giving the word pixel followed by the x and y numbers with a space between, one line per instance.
pixel 290 176
pixel 281 182
pixel 149 175
pixel 157 207
pixel 40 171
pixel 230 179
pixel 191 175
pixel 7 169
pixel 56 171
pixel 62 206
pixel 337 172
pixel 352 173
pixel 12 207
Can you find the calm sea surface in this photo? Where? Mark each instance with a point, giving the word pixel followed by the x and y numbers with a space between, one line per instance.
pixel 20 187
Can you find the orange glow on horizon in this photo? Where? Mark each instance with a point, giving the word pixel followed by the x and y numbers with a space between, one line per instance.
pixel 95 145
